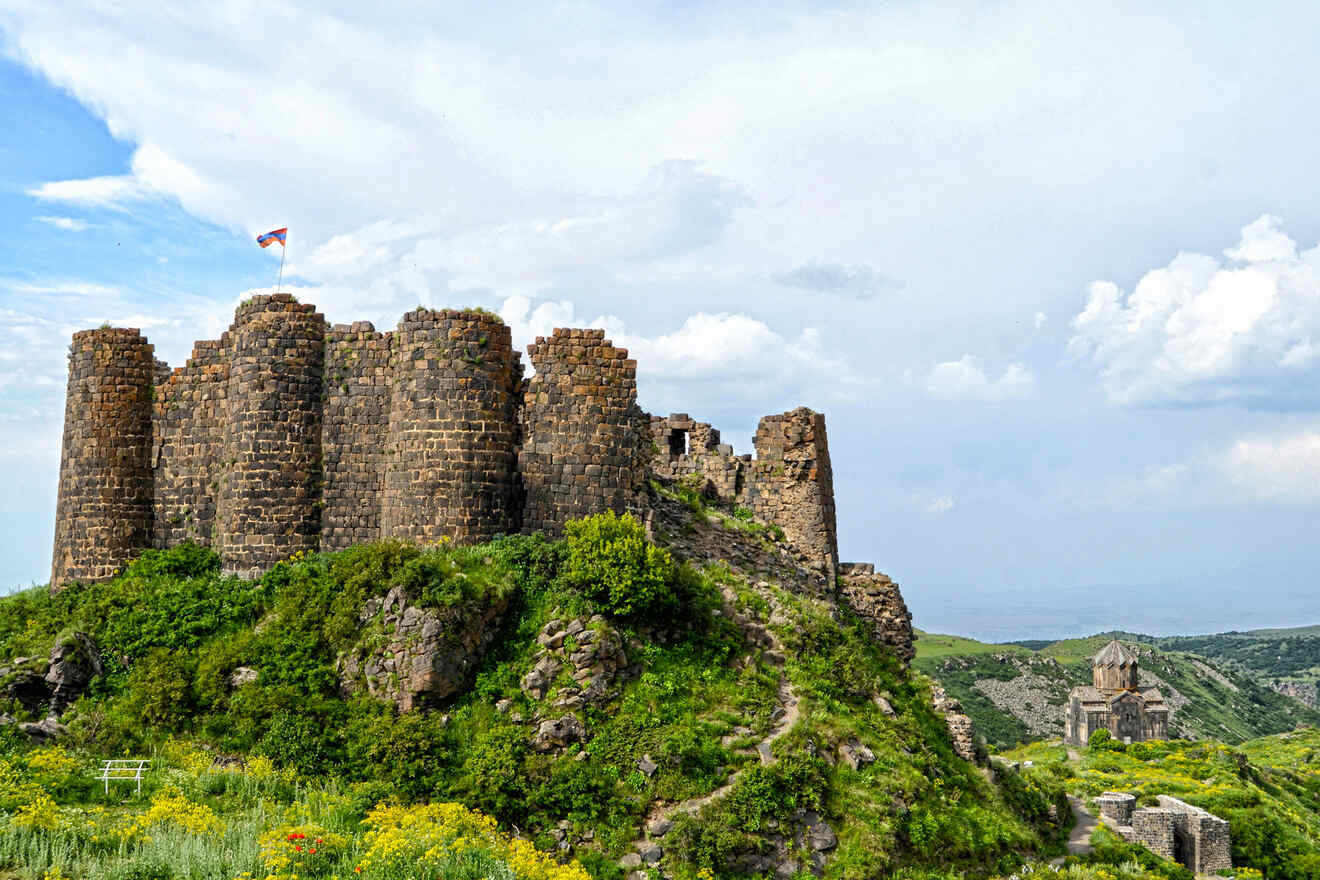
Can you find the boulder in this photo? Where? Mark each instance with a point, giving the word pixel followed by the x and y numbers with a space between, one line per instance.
pixel 558 734
pixel 74 662
pixel 426 655
pixel 43 731
pixel 24 681
pixel 242 675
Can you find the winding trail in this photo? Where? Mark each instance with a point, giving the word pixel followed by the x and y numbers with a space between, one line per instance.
pixel 787 709
pixel 1079 841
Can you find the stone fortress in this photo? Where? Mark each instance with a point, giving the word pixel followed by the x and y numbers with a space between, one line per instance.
pixel 287 435
pixel 1175 830
pixel 1115 702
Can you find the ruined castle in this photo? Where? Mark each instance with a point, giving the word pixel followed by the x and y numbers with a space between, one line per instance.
pixel 287 434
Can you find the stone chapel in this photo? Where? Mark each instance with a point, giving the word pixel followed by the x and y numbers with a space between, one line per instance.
pixel 1115 702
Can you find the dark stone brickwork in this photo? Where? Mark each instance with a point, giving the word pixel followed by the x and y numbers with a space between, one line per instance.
pixel 451 449
pixel 188 444
pixel 285 435
pixel 270 488
pixel 877 600
pixel 353 433
pixel 103 513
pixel 790 482
pixel 586 442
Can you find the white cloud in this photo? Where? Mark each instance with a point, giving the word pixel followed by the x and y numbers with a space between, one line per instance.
pixel 1198 331
pixel 938 505
pixel 964 379
pixel 68 224
pixel 96 192
pixel 860 281
pixel 1040 320
pixel 1282 468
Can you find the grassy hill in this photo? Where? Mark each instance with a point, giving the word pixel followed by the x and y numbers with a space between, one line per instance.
pixel 1015 693
pixel 743 728
pixel 1287 659
pixel 1267 788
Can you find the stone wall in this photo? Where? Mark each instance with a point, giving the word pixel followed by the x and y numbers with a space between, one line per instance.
pixel 1206 848
pixel 104 509
pixel 877 600
pixel 451 448
pixel 286 435
pixel 585 440
pixel 269 491
pixel 1152 827
pixel 188 444
pixel 1116 807
pixel 789 483
pixel 354 425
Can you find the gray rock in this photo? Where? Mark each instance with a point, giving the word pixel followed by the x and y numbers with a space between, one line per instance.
pixel 884 706
pixel 659 827
pixel 763 750
pixel 242 675
pixel 503 706
pixel 631 860
pixel 651 853
pixel 74 662
pixel 647 766
pixel 557 734
pixel 856 755
pixel 44 730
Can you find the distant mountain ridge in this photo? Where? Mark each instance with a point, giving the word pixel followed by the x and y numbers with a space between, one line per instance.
pixel 1230 689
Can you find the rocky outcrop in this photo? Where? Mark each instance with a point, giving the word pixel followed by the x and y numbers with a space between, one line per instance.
pixel 590 651
pixel 74 662
pixel 803 843
pixel 1305 691
pixel 876 598
pixel 558 734
pixel 415 656
pixel 961 732
pixel 23 680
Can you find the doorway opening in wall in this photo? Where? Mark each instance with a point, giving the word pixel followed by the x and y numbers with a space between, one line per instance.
pixel 678 442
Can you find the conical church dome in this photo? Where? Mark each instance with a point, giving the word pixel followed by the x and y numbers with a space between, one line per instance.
pixel 1114 655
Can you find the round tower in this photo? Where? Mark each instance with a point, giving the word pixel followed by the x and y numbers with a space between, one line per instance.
pixel 270 474
pixel 451 446
pixel 586 444
pixel 103 512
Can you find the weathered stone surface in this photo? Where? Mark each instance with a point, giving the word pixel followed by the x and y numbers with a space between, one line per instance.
pixel 855 755
pixel 242 675
pixel 103 510
pixel 558 733
pixel 961 732
pixel 74 662
pixel 876 599
pixel 43 731
pixel 23 680
pixel 427 654
pixel 596 662
pixel 790 483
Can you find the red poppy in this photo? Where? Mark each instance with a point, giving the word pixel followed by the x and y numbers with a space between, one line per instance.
pixel 297 849
pixel 312 850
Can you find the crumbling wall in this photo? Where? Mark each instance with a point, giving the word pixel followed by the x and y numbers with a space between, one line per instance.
pixel 451 448
pixel 269 491
pixel 187 446
pixel 1208 849
pixel 103 513
pixel 354 425
pixel 585 440
pixel 876 599
pixel 790 482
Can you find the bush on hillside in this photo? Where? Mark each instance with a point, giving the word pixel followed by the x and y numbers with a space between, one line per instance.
pixel 610 562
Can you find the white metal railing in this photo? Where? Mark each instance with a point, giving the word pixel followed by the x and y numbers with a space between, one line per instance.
pixel 124 770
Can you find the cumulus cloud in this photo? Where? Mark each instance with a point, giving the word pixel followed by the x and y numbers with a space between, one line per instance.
pixel 94 192
pixel 965 379
pixel 1202 331
pixel 862 282
pixel 938 504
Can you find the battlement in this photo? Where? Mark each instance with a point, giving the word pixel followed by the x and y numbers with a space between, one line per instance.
pixel 288 434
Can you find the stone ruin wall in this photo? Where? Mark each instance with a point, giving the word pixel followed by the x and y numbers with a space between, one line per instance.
pixel 451 446
pixel 1174 830
pixel 584 437
pixel 790 482
pixel 104 509
pixel 286 434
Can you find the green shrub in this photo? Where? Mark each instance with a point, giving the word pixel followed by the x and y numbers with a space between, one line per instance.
pixel 1103 741
pixel 610 561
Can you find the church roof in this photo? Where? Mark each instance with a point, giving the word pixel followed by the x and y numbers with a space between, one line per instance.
pixel 1114 654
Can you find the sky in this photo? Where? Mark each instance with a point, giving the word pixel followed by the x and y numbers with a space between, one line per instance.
pixel 1052 274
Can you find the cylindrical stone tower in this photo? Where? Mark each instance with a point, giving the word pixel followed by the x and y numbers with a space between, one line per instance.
pixel 104 508
pixel 270 477
pixel 451 448
pixel 586 443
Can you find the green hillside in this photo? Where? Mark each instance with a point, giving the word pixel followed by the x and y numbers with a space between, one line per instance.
pixel 1268 789
pixel 742 729
pixel 1285 658
pixel 1016 694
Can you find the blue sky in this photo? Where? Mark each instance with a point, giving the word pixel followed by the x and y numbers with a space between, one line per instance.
pixel 1051 275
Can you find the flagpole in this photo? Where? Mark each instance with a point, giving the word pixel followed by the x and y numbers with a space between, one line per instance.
pixel 283 250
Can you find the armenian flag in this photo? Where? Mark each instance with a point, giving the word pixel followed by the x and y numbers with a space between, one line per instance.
pixel 273 236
